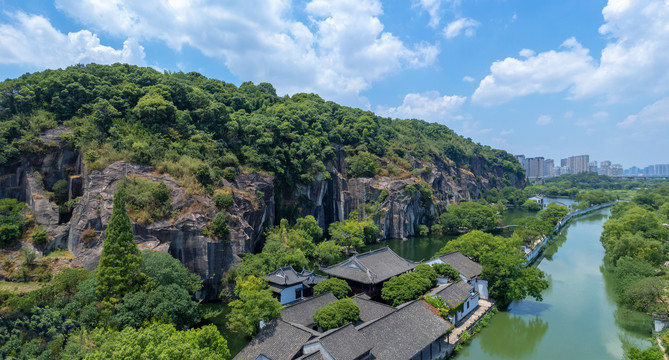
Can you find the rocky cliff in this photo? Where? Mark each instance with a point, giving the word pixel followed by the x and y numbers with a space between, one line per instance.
pixel 397 210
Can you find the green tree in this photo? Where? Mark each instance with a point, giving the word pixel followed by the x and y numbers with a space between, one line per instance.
pixel 159 341
pixel 447 271
pixel 468 216
pixel 255 303
pixel 118 271
pixel 329 253
pixel 347 233
pixel 220 225
pixel 336 314
pixel 531 205
pixel 338 287
pixel 163 269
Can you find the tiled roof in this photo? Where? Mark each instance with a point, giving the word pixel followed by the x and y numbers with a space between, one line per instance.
pixel 287 276
pixel 462 264
pixel 303 312
pixel 454 293
pixel 279 340
pixel 402 334
pixel 371 310
pixel 372 267
pixel 345 343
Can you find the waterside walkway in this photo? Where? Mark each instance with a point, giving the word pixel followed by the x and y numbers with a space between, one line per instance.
pixel 484 307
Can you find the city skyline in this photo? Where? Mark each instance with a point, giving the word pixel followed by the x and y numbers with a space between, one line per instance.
pixel 549 77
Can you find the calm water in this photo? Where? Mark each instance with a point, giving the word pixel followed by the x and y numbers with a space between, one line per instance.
pixel 578 318
pixel 424 248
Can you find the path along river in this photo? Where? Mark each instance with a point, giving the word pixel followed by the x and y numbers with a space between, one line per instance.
pixel 577 319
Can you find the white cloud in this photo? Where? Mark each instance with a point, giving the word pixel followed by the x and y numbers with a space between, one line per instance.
pixel 338 53
pixel 468 79
pixel 507 132
pixel 656 113
pixel 635 61
pixel 547 72
pixel 596 118
pixel 427 106
pixel 32 40
pixel 544 120
pixel 433 9
pixel 461 25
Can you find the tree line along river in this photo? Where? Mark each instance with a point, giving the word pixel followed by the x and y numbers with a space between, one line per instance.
pixel 578 318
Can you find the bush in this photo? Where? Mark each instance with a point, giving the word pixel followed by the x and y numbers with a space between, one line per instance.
pixel 29 255
pixel 220 225
pixel 336 314
pixel 148 200
pixel 60 191
pixel 224 201
pixel 229 173
pixel 12 220
pixel 363 164
pixel 39 236
pixel 338 287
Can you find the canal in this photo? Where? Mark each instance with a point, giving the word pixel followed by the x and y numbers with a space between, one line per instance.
pixel 578 318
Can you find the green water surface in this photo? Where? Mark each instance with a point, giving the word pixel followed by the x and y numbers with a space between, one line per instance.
pixel 578 318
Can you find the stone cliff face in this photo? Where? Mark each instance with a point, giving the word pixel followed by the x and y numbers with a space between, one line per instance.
pixel 399 214
pixel 257 205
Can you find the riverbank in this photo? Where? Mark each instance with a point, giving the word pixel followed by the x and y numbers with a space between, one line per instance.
pixel 577 319
pixel 532 254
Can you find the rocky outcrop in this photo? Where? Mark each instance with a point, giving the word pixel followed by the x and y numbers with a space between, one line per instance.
pixel 388 200
pixel 398 214
pixel 183 234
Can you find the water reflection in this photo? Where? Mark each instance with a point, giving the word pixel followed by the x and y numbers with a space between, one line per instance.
pixel 519 337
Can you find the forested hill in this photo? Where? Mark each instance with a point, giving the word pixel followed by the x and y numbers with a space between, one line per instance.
pixel 139 114
pixel 214 165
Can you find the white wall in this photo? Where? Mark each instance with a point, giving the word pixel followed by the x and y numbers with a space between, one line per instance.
pixel 288 294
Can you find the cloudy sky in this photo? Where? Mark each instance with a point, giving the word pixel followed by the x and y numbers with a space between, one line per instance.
pixel 550 78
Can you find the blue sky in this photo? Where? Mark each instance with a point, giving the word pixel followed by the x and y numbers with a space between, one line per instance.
pixel 540 78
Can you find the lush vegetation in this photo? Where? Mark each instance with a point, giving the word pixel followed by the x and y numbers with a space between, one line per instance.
pixel 204 130
pixel 13 222
pixel 147 200
pixel 503 266
pixel 410 286
pixel 468 216
pixel 254 303
pixel 338 287
pixel 137 305
pixel 637 244
pixel 336 314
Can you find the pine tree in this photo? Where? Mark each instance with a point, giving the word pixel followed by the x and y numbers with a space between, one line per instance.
pixel 118 271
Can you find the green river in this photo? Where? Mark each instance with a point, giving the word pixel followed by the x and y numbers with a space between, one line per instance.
pixel 577 319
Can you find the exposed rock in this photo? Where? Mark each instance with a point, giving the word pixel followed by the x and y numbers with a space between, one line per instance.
pixel 181 235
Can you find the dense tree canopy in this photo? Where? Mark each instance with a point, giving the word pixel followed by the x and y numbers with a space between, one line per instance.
pixel 123 111
pixel 503 266
pixel 468 216
pixel 336 314
pixel 338 287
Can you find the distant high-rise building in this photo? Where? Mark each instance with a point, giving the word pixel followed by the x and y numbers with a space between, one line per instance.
pixel 662 169
pixel 605 168
pixel 549 166
pixel 534 167
pixel 579 164
pixel 592 167
pixel 616 170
